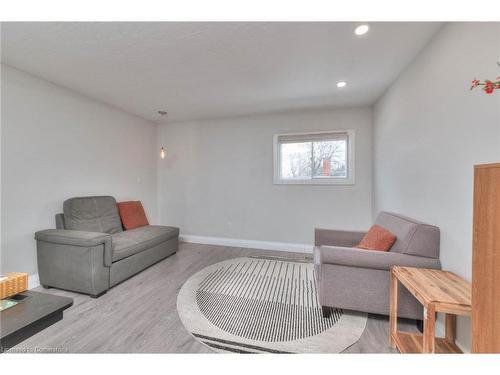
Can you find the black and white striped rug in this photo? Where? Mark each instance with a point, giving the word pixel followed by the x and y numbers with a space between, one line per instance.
pixel 264 305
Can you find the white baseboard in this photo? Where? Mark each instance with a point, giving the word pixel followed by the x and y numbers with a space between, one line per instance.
pixel 462 347
pixel 250 244
pixel 33 281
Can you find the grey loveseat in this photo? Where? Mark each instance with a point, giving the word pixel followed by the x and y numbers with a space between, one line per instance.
pixel 89 252
pixel 357 279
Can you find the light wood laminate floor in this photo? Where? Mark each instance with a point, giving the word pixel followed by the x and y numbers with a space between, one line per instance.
pixel 140 315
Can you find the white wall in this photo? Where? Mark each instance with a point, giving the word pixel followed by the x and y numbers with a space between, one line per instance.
pixel 429 131
pixel 217 178
pixel 57 144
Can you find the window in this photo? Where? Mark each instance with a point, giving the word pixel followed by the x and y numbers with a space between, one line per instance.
pixel 314 158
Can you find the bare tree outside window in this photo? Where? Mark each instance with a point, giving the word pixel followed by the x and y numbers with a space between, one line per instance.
pixel 313 159
pixel 332 153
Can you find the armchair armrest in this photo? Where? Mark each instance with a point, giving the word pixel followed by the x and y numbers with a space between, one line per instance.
pixel 381 260
pixel 78 238
pixel 344 238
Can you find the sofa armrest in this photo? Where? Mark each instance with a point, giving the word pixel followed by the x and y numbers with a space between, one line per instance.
pixel 78 238
pixel 330 237
pixel 372 259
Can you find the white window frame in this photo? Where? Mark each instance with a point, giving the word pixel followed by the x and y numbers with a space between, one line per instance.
pixel 349 180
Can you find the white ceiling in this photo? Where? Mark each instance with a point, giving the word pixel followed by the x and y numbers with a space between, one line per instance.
pixel 206 70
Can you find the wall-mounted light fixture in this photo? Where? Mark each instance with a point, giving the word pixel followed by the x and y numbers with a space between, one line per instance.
pixel 162 153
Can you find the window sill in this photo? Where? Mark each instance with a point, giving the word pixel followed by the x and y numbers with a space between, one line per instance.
pixel 315 182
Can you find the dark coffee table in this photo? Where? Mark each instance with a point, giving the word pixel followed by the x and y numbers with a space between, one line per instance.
pixel 35 312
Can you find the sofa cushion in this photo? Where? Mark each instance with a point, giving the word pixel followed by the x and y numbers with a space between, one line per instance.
pixel 377 238
pixel 132 214
pixel 134 241
pixel 92 214
pixel 413 237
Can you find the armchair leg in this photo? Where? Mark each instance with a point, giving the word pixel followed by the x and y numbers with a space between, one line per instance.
pixel 98 295
pixel 327 311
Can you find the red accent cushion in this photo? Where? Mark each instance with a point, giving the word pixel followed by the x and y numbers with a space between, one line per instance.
pixel 132 214
pixel 377 238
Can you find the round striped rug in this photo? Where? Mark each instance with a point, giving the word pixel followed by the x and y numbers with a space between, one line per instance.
pixel 263 305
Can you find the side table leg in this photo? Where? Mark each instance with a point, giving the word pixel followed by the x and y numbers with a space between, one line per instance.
pixel 429 329
pixel 450 327
pixel 393 317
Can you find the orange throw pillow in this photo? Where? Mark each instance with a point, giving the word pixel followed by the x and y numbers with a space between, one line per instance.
pixel 132 214
pixel 377 238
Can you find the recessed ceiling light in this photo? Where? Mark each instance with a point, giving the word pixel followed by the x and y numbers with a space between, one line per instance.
pixel 361 29
pixel 341 84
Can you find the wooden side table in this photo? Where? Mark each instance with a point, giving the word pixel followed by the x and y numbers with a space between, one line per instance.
pixel 437 291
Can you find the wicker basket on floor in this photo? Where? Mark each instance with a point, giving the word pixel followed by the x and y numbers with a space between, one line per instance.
pixel 15 283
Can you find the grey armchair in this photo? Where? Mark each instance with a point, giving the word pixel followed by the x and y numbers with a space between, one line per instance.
pixel 357 279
